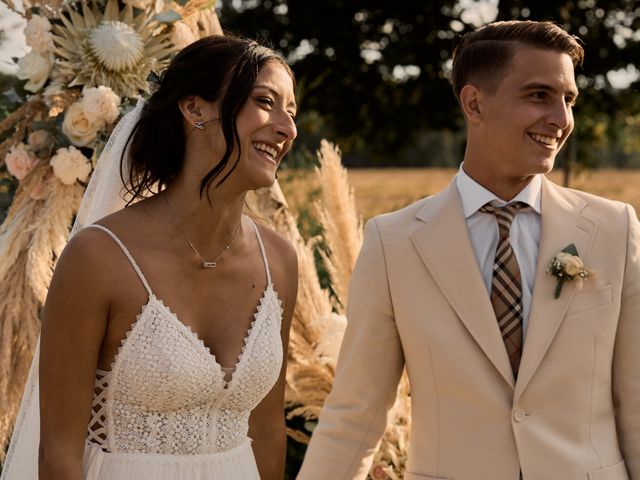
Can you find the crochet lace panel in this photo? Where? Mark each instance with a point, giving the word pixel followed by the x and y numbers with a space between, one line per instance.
pixel 167 394
pixel 97 433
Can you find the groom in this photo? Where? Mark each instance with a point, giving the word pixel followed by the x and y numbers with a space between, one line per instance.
pixel 507 381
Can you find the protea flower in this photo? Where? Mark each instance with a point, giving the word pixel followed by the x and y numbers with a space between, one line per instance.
pixel 115 48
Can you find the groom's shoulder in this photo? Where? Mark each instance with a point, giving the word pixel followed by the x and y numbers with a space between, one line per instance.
pixel 400 218
pixel 594 204
pixel 609 213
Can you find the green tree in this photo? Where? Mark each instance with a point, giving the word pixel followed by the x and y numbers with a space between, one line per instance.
pixel 372 75
pixel 609 31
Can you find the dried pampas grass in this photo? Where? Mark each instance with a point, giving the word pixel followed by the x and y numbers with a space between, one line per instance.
pixel 19 324
pixel 340 220
pixel 31 238
pixel 19 329
pixel 200 17
pixel 309 378
pixel 343 235
pixel 50 238
pixel 317 329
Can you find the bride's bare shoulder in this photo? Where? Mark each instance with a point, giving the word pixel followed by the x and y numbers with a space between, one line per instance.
pixel 280 251
pixel 93 257
pixel 87 255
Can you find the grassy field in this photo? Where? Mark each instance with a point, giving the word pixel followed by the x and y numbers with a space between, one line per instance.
pixel 383 190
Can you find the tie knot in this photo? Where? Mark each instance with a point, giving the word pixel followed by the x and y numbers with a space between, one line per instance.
pixel 505 214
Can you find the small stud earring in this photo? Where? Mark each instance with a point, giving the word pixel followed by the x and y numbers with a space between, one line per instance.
pixel 199 125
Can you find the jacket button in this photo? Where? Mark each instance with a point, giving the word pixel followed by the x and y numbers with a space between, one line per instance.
pixel 519 415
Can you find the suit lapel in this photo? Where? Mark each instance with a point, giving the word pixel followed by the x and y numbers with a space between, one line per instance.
pixel 562 224
pixel 445 248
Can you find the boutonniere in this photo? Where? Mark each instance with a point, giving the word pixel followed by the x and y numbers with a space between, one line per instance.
pixel 567 266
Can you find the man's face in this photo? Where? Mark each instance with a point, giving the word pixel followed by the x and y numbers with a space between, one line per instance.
pixel 526 121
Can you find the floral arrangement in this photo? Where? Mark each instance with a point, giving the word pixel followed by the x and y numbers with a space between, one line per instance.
pixel 565 266
pixel 87 64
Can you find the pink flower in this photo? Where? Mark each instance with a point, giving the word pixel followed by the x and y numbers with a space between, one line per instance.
pixel 20 160
pixel 38 139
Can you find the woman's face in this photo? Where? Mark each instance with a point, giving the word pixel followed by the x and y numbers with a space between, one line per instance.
pixel 266 126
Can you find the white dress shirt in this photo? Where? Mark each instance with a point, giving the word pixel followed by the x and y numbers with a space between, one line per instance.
pixel 483 231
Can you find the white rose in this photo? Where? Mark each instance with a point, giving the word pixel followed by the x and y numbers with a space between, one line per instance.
pixel 100 105
pixel 182 35
pixel 38 34
pixel 35 68
pixel 80 130
pixel 572 264
pixel 69 165
pixel 38 139
pixel 20 161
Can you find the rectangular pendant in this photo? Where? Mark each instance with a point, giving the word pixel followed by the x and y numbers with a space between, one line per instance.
pixel 209 264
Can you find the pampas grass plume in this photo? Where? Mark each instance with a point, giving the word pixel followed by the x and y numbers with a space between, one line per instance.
pixel 340 220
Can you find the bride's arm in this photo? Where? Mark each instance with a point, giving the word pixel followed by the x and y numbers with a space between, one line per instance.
pixel 267 424
pixel 73 324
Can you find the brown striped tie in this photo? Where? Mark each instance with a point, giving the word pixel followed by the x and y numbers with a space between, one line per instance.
pixel 506 285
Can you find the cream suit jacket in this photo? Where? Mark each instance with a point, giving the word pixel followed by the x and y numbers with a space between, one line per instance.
pixel 417 300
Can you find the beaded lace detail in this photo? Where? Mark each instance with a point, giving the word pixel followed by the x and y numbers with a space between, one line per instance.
pixel 166 393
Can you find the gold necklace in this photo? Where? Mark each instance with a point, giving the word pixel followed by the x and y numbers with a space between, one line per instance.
pixel 205 263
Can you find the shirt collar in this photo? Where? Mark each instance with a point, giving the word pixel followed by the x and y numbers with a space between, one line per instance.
pixel 473 195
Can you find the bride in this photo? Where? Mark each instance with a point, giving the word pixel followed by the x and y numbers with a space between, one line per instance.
pixel 164 335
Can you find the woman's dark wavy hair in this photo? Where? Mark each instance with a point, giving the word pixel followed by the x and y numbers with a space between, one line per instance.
pixel 223 68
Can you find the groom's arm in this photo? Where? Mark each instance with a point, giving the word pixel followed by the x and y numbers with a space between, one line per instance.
pixel 369 367
pixel 626 366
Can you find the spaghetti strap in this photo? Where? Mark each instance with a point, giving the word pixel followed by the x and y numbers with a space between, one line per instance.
pixel 127 254
pixel 262 250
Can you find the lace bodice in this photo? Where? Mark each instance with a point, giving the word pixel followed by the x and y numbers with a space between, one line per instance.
pixel 166 393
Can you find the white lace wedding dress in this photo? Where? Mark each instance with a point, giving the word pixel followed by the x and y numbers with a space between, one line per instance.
pixel 165 409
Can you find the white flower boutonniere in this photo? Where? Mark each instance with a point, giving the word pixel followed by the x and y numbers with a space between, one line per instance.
pixel 566 266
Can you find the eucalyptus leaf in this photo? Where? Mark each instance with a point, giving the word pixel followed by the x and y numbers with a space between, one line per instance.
pixel 571 250
pixel 168 17
pixel 153 77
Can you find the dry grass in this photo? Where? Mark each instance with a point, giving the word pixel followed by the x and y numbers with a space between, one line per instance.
pixel 338 214
pixel 383 190
pixel 32 236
